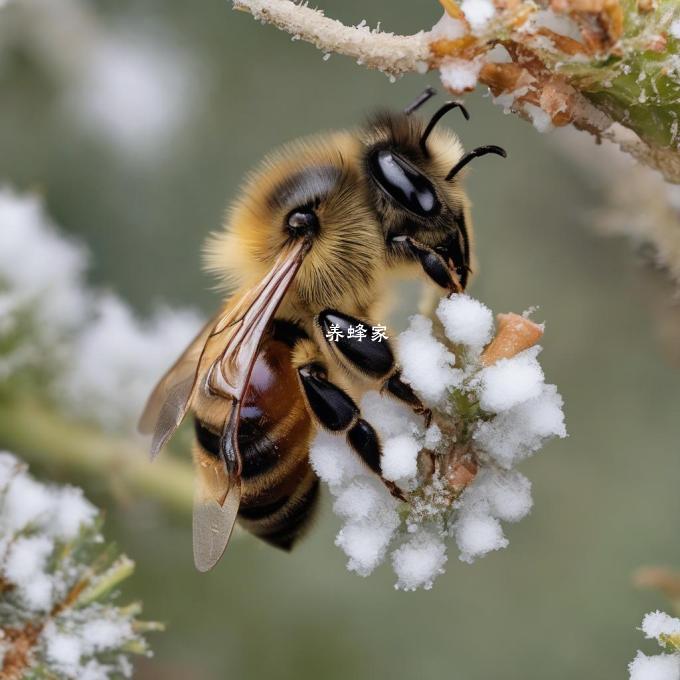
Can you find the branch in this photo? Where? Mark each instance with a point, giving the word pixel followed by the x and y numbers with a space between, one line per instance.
pixel 58 615
pixel 43 437
pixel 392 54
pixel 609 67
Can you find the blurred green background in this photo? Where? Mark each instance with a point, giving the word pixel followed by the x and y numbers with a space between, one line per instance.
pixel 558 603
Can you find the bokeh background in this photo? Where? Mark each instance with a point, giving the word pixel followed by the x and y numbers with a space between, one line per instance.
pixel 136 122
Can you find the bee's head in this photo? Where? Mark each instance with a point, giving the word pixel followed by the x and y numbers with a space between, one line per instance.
pixel 363 200
pixel 414 183
pixel 311 189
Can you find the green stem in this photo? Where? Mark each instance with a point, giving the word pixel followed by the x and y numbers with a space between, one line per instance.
pixel 42 436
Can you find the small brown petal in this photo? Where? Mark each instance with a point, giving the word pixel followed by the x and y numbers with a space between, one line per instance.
pixel 515 333
pixel 657 43
pixel 461 474
pixel 660 578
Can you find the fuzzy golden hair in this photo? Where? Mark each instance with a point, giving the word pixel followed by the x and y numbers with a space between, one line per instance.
pixel 347 264
pixel 347 252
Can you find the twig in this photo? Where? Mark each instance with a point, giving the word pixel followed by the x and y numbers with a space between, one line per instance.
pixel 604 82
pixel 386 52
pixel 43 437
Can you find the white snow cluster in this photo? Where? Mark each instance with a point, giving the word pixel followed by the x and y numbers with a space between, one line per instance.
pixel 34 518
pixel 655 667
pixel 478 13
pixel 434 373
pixel 42 293
pixel 460 75
pixel 135 90
pixel 117 359
pixel 447 28
pixel 674 29
pixel 71 647
pixel 89 349
pixel 659 666
pixel 510 412
pixel 42 557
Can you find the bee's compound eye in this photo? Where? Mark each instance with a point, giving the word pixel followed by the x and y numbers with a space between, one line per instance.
pixel 404 183
pixel 302 221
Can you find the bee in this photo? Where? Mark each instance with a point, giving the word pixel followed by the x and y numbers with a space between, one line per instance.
pixel 311 248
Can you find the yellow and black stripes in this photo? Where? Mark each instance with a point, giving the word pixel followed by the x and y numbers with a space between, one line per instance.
pixel 259 453
pixel 282 521
pixel 279 498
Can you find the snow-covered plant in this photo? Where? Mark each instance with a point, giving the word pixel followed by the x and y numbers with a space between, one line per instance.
pixel 491 408
pixel 43 300
pixel 58 618
pixel 609 67
pixel 665 630
pixel 84 347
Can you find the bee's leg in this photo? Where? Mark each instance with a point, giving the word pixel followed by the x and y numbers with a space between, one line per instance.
pixel 433 264
pixel 336 411
pixel 370 358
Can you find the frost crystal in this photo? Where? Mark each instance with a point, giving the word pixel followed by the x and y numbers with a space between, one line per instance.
pixel 447 28
pixel 457 474
pixel 657 667
pixel 427 364
pixel 118 358
pixel 56 584
pixel 665 630
pixel 466 321
pixel 541 120
pixel 459 75
pixel 674 29
pixel 659 623
pixel 419 560
pixel 478 534
pixel 478 12
pixel 42 294
pixel 510 382
pixel 399 458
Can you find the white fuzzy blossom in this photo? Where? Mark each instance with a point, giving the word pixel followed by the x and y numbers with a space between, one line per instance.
pixel 665 630
pixel 511 413
pixel 42 293
pixel 88 348
pixel 118 357
pixel 48 546
pixel 478 12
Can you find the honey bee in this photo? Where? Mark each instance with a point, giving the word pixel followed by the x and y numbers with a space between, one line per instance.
pixel 310 248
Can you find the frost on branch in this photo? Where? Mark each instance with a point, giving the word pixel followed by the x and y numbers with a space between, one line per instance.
pixel 610 67
pixel 57 615
pixel 491 409
pixel 665 630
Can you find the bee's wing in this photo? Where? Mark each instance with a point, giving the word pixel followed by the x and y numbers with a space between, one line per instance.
pixel 216 503
pixel 167 405
pixel 224 369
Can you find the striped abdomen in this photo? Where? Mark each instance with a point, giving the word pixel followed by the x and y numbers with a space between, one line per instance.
pixel 279 488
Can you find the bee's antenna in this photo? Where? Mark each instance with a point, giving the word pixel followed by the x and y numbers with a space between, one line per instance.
pixel 475 153
pixel 424 96
pixel 435 119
